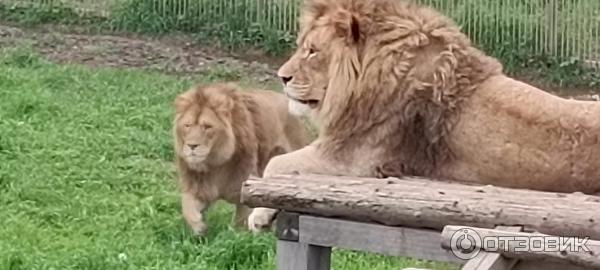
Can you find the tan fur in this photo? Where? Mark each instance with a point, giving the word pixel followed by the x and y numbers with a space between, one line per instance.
pixel 397 89
pixel 236 133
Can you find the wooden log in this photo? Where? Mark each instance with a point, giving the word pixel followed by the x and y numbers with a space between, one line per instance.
pixel 422 203
pixel 522 247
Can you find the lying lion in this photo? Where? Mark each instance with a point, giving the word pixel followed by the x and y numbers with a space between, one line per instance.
pixel 397 89
pixel 222 136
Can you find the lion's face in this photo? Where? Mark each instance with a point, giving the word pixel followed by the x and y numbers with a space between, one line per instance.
pixel 204 134
pixel 305 74
pixel 326 62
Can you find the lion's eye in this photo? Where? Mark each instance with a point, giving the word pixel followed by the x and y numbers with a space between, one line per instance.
pixel 311 52
pixel 207 126
pixel 187 125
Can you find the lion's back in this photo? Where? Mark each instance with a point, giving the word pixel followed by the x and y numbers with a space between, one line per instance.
pixel 277 130
pixel 273 101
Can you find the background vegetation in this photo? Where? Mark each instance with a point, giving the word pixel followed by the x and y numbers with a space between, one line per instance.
pixel 554 39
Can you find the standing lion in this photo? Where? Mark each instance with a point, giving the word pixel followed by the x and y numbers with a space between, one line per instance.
pixel 222 136
pixel 397 89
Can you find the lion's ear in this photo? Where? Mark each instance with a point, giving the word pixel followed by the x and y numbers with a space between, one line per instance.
pixel 348 25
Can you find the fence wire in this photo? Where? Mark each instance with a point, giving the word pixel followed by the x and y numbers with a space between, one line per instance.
pixel 563 29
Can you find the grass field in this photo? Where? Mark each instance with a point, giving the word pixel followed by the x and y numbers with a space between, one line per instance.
pixel 87 181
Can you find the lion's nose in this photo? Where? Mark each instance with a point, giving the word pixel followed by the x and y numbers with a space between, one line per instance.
pixel 192 146
pixel 286 79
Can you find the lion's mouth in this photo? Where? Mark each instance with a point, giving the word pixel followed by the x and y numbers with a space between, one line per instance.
pixel 312 103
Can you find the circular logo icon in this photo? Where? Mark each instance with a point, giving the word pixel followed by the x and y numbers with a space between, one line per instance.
pixel 465 243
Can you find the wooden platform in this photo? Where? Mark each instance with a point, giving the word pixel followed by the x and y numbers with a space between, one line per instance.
pixel 305 242
pixel 419 218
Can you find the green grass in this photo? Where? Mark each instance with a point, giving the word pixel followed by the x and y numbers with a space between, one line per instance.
pixel 87 179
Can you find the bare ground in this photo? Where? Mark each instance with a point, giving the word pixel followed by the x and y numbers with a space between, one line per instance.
pixel 172 54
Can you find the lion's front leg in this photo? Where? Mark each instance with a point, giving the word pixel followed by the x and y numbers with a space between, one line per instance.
pixel 306 160
pixel 192 209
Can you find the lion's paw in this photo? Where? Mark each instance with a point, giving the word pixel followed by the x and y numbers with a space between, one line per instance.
pixel 199 229
pixel 260 219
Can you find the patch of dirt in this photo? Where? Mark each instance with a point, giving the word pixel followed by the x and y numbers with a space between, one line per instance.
pixel 171 54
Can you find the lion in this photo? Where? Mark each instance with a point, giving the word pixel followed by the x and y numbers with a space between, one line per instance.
pixel 398 90
pixel 222 136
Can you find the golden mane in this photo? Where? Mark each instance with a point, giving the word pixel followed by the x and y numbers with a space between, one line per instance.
pixel 402 54
pixel 228 104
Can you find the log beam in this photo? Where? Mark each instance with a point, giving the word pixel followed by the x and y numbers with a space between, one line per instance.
pixel 423 203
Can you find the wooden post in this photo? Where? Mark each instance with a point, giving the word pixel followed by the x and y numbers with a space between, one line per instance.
pixel 294 255
pixel 300 256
